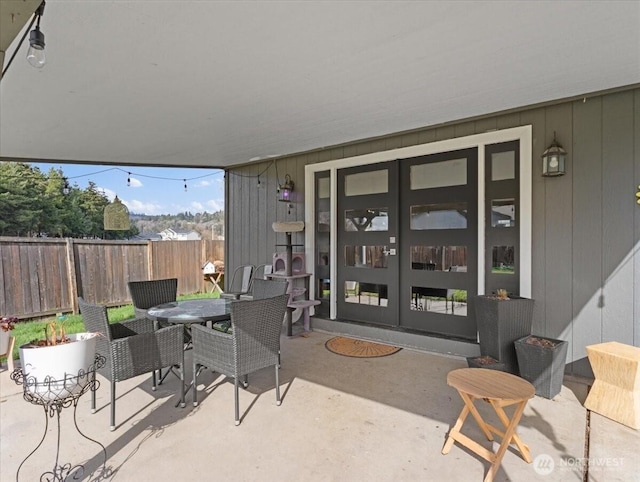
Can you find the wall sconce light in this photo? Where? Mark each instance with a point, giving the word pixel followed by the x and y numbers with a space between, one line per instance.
pixel 553 159
pixel 35 54
pixel 286 189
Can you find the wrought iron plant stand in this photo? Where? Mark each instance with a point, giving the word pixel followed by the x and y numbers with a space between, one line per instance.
pixel 53 396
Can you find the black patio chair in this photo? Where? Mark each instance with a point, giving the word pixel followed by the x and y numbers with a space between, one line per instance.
pixel 253 344
pixel 132 348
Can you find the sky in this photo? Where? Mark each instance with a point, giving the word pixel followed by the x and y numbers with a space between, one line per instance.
pixel 151 190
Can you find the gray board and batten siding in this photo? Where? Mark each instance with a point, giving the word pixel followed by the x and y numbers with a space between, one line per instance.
pixel 585 224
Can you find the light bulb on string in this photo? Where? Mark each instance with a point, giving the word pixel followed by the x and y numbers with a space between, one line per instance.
pixel 259 181
pixel 128 179
pixel 185 185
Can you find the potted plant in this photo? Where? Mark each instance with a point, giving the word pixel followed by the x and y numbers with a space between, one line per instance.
pixel 485 361
pixel 541 361
pixel 7 324
pixel 55 367
pixel 502 319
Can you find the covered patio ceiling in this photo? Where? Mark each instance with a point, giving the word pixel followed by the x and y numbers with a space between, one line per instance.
pixel 218 84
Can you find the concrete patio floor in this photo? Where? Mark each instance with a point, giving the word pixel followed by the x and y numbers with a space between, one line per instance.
pixel 341 419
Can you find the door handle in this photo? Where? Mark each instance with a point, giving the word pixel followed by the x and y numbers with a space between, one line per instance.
pixel 389 252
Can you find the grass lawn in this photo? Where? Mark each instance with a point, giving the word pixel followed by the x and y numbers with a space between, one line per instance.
pixel 26 331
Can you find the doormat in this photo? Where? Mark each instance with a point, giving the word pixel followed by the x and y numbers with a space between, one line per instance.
pixel 359 348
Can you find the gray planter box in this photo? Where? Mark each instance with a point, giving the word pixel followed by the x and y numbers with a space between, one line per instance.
pixel 543 366
pixel 500 323
pixel 476 362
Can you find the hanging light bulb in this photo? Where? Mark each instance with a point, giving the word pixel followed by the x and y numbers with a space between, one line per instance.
pixel 185 185
pixel 128 179
pixel 35 54
pixel 66 189
pixel 259 181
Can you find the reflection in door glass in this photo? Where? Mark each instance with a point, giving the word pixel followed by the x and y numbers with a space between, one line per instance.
pixel 439 258
pixel 365 293
pixel 323 258
pixel 439 300
pixel 365 256
pixel 372 219
pixel 439 216
pixel 324 288
pixel 324 220
pixel 503 213
pixel 503 260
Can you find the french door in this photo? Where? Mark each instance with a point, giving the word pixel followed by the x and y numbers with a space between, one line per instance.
pixel 407 243
pixel 439 242
pixel 367 224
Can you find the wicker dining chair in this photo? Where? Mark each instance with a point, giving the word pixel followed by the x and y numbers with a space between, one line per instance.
pixel 149 293
pixel 253 344
pixel 268 288
pixel 146 294
pixel 132 348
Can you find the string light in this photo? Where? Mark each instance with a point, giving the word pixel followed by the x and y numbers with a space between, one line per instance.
pixel 185 185
pixel 129 179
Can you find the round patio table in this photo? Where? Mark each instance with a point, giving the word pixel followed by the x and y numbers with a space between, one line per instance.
pixel 187 312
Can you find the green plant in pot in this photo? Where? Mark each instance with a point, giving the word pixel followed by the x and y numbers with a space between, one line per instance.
pixel 502 319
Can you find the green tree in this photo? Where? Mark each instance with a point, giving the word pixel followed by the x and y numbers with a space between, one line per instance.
pixel 21 205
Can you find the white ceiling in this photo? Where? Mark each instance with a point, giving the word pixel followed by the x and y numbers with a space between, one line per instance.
pixel 213 83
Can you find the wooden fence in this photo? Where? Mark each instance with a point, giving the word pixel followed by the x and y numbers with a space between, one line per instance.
pixel 41 276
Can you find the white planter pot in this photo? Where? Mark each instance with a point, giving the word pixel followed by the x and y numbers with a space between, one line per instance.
pixel 5 337
pixel 55 368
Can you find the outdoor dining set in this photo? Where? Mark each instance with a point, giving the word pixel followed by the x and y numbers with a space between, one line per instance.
pixel 229 336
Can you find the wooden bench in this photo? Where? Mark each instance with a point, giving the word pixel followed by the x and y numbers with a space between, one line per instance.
pixel 616 390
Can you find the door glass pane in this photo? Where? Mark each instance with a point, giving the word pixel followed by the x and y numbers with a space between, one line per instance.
pixel 439 258
pixel 365 293
pixel 503 260
pixel 439 300
pixel 439 216
pixel 438 174
pixel 324 288
pixel 365 256
pixel 503 165
pixel 372 219
pixel 324 218
pixel 323 258
pixel 372 182
pixel 324 188
pixel 503 213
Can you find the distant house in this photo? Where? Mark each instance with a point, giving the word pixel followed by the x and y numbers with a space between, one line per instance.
pixel 147 237
pixel 179 235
